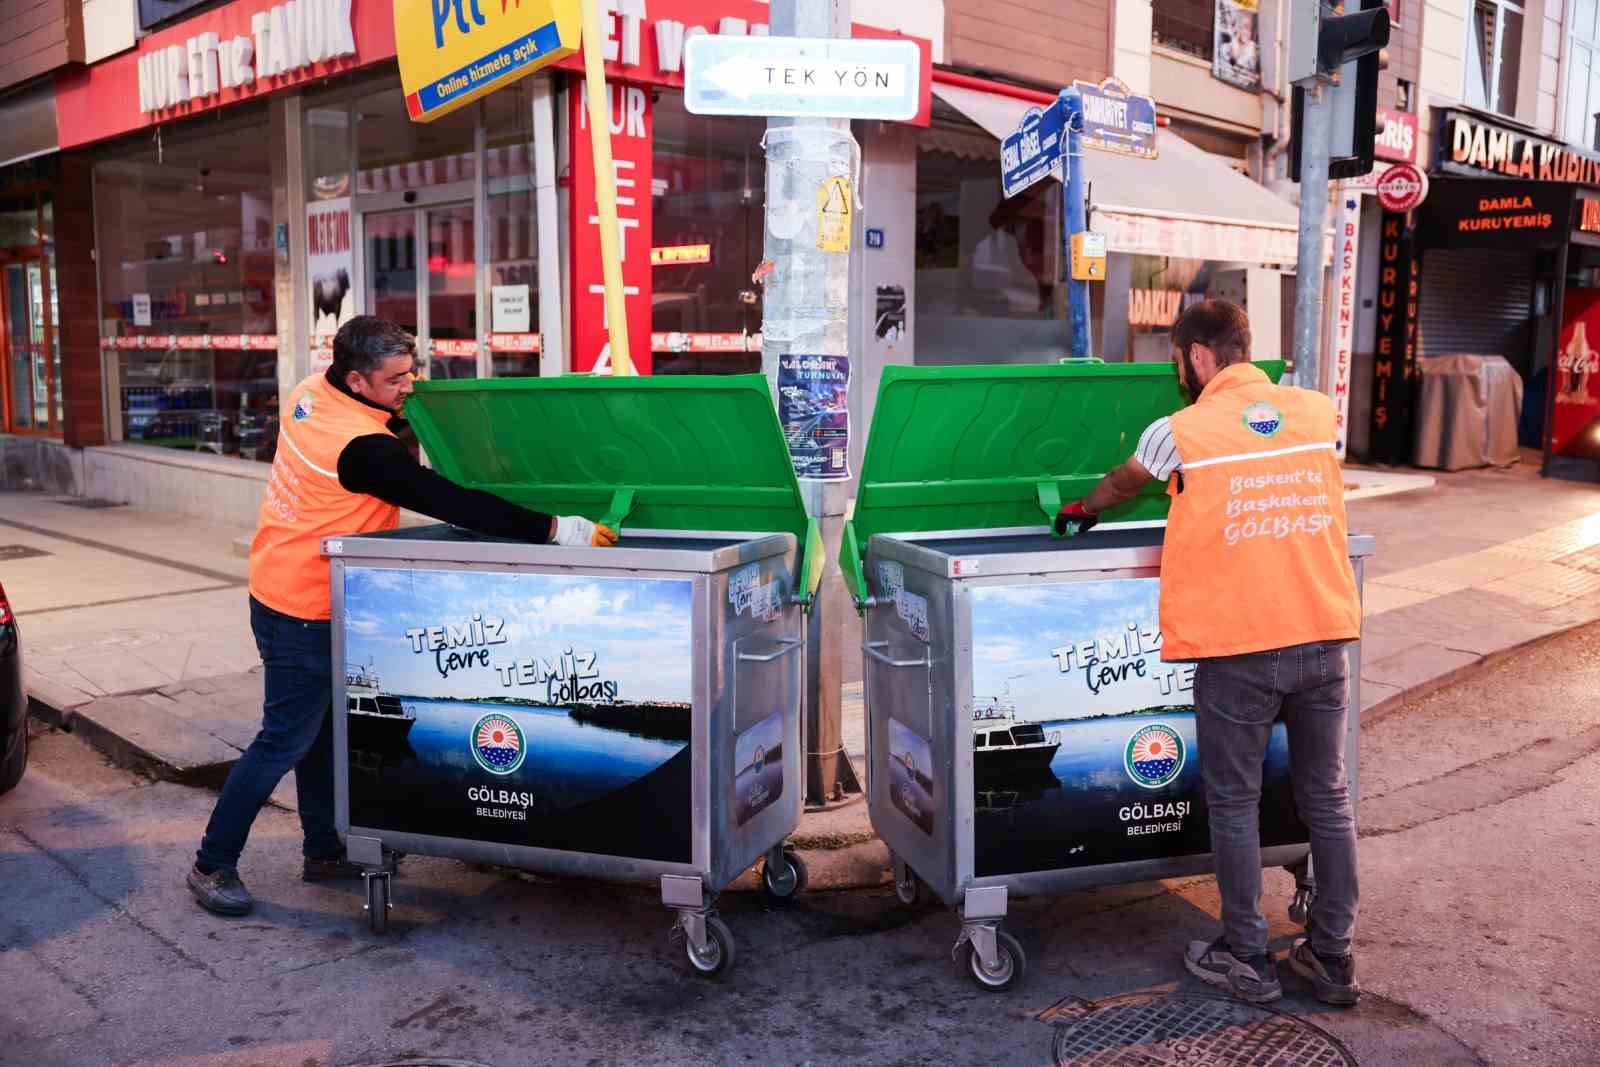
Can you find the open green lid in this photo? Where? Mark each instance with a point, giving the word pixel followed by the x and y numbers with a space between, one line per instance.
pixel 996 447
pixel 693 453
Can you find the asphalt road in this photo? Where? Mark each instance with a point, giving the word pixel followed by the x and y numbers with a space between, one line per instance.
pixel 1479 812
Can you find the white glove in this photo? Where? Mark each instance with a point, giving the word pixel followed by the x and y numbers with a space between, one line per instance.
pixel 575 531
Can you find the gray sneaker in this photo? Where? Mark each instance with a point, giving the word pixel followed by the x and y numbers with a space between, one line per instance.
pixel 1254 980
pixel 1333 977
pixel 221 892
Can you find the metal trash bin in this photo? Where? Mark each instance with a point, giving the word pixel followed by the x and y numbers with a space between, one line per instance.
pixel 1467 412
pixel 630 713
pixel 1023 733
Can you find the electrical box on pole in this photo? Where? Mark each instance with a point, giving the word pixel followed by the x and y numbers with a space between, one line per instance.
pixel 1353 46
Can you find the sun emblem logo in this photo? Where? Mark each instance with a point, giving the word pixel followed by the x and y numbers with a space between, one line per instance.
pixel 497 744
pixel 1263 419
pixel 1154 756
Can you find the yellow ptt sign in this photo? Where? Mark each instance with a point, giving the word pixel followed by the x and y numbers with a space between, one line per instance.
pixel 454 51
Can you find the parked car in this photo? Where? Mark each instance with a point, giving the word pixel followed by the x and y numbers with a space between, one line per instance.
pixel 13 701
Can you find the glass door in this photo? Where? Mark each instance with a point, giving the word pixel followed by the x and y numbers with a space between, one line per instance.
pixel 32 356
pixel 435 297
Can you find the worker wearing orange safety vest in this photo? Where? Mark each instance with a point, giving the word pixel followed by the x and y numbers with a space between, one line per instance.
pixel 341 467
pixel 1257 589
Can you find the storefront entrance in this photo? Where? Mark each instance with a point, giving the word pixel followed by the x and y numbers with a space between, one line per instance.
pixel 419 271
pixel 32 387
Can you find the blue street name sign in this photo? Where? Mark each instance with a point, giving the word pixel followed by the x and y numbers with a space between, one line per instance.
pixel 1036 149
pixel 1115 120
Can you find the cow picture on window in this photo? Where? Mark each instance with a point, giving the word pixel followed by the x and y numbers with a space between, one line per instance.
pixel 327 296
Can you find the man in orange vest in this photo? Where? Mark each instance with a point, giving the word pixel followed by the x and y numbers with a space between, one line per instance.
pixel 1257 589
pixel 340 468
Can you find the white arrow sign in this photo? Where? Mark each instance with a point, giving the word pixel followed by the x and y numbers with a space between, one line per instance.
pixel 802 76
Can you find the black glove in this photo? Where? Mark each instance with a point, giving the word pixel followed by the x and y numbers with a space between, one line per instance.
pixel 1073 520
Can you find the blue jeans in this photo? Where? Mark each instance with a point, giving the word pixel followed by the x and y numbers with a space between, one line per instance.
pixel 296 733
pixel 1237 700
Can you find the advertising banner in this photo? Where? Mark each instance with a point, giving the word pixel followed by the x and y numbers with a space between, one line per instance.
pixel 1575 422
pixel 814 409
pixel 328 266
pixel 1084 746
pixel 453 51
pixel 549 711
pixel 1342 323
pixel 1236 52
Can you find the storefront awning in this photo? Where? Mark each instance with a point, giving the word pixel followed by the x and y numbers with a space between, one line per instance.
pixel 1186 203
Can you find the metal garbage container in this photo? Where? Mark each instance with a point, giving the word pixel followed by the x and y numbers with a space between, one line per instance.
pixel 630 713
pixel 1023 733
pixel 1467 412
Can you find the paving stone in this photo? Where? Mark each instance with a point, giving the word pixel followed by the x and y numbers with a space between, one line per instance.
pixel 137 733
pixel 1374 693
pixel 1423 665
pixel 1502 636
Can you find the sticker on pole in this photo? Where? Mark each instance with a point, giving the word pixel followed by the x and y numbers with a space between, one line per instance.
pixel 814 409
pixel 1035 150
pixel 1401 188
pixel 834 197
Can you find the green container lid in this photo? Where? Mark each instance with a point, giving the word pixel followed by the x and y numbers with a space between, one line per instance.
pixel 996 447
pixel 701 452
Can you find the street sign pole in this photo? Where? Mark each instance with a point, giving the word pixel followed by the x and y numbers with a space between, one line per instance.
pixel 1317 129
pixel 806 312
pixel 1075 220
pixel 605 186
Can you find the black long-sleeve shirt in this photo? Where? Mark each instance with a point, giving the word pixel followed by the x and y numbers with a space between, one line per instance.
pixel 382 466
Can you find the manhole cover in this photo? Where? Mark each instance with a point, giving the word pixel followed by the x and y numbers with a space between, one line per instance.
pixel 1146 1030
pixel 20 552
pixel 90 502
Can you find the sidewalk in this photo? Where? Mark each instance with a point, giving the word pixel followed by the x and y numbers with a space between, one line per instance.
pixel 137 637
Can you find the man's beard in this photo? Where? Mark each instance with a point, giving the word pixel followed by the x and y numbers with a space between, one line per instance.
pixel 1191 380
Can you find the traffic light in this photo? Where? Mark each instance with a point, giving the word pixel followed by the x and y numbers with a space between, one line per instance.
pixel 1352 45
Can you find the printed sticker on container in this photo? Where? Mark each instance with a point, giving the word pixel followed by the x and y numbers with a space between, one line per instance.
pixel 892 578
pixel 914 610
pixel 911 775
pixel 758 768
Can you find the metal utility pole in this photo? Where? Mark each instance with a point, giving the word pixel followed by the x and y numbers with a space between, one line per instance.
pixel 1076 219
pixel 1317 132
pixel 806 311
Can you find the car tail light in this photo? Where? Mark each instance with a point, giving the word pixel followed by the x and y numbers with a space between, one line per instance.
pixel 5 607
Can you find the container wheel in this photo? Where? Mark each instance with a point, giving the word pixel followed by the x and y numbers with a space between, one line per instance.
pixel 377 906
pixel 908 890
pixel 788 881
pixel 1300 906
pixel 1010 965
pixel 718 953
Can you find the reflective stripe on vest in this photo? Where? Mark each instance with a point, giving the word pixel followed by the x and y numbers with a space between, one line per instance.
pixel 1255 555
pixel 304 502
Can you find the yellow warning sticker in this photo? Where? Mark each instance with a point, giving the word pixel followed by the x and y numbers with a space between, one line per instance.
pixel 834 200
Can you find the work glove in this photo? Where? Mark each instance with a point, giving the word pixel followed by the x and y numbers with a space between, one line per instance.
pixel 575 531
pixel 1073 520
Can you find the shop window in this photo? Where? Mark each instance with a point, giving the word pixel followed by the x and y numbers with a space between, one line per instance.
pixel 1493 54
pixel 709 203
pixel 185 248
pixel 30 343
pixel 394 154
pixel 1143 296
pixel 987 265
pixel 1578 120
pixel 513 232
pixel 1187 26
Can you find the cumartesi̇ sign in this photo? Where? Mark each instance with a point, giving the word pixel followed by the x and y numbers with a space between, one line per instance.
pixel 282 39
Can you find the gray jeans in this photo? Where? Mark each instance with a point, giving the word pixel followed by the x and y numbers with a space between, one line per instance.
pixel 1237 700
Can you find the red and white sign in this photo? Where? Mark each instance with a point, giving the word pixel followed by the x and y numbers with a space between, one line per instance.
pixel 1401 188
pixel 632 151
pixel 1342 322
pixel 1398 141
pixel 1575 415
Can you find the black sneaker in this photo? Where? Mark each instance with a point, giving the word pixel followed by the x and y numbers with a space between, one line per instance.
pixel 1254 980
pixel 221 892
pixel 339 866
pixel 1333 977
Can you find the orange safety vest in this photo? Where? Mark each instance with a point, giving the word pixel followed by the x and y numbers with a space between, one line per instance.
pixel 1255 555
pixel 304 501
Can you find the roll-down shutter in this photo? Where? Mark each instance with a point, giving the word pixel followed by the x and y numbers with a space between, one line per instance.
pixel 1476 300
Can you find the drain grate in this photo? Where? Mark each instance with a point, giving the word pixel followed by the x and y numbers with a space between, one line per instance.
pixel 90 502
pixel 8 552
pixel 1153 1030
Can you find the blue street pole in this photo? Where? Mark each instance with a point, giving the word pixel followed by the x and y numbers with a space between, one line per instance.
pixel 1074 219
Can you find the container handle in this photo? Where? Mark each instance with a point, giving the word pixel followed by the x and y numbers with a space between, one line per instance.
pixel 789 644
pixel 621 508
pixel 871 648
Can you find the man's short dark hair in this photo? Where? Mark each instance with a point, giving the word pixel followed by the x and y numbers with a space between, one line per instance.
pixel 1220 325
pixel 363 343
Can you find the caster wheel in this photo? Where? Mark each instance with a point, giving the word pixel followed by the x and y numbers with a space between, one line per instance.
pixel 1010 965
pixel 788 881
pixel 1300 906
pixel 377 906
pixel 718 953
pixel 908 890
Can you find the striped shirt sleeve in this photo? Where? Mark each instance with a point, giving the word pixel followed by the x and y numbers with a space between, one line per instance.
pixel 1158 451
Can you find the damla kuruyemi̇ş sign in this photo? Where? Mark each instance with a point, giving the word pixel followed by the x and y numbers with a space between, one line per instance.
pixel 1084 749
pixel 522 709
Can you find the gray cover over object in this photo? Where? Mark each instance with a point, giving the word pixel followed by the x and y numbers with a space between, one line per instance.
pixel 1467 408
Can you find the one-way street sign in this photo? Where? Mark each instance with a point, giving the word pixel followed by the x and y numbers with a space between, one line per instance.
pixel 802 77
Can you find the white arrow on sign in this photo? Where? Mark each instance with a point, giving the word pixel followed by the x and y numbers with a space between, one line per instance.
pixel 797 76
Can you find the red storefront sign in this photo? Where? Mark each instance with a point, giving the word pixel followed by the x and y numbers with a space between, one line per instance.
pixel 632 150
pixel 1575 414
pixel 1401 188
pixel 1398 141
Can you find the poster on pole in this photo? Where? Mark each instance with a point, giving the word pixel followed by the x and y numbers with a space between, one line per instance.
pixel 328 266
pixel 1236 51
pixel 814 409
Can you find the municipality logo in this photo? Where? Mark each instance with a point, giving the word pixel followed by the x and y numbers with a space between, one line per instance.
pixel 497 744
pixel 1263 419
pixel 1154 756
pixel 302 408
